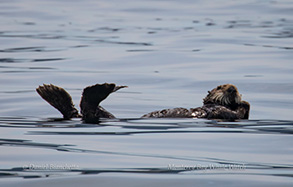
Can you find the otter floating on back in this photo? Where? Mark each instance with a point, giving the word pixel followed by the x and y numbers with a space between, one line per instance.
pixel 223 102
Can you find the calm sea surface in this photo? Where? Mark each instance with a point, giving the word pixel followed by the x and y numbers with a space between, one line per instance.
pixel 169 53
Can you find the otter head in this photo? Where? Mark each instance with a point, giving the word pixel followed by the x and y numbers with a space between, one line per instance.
pixel 225 95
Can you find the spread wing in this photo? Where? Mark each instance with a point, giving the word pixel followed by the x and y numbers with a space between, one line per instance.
pixel 59 99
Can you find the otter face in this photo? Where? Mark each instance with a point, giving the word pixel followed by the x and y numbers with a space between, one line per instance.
pixel 226 95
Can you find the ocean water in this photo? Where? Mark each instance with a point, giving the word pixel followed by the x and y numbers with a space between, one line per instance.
pixel 169 54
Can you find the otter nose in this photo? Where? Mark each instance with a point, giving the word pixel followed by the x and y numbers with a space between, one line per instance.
pixel 231 89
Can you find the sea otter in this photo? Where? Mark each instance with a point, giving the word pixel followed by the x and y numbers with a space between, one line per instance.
pixel 223 102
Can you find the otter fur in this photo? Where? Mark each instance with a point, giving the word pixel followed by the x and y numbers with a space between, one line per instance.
pixel 222 102
pixel 92 96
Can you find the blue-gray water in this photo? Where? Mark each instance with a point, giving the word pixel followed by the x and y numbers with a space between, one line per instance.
pixel 169 53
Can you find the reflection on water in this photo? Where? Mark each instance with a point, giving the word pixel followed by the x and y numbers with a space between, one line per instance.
pixel 147 131
pixel 169 53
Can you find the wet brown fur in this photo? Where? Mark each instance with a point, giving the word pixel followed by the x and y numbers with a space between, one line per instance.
pixel 222 102
pixel 92 96
pixel 59 99
pixel 225 95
